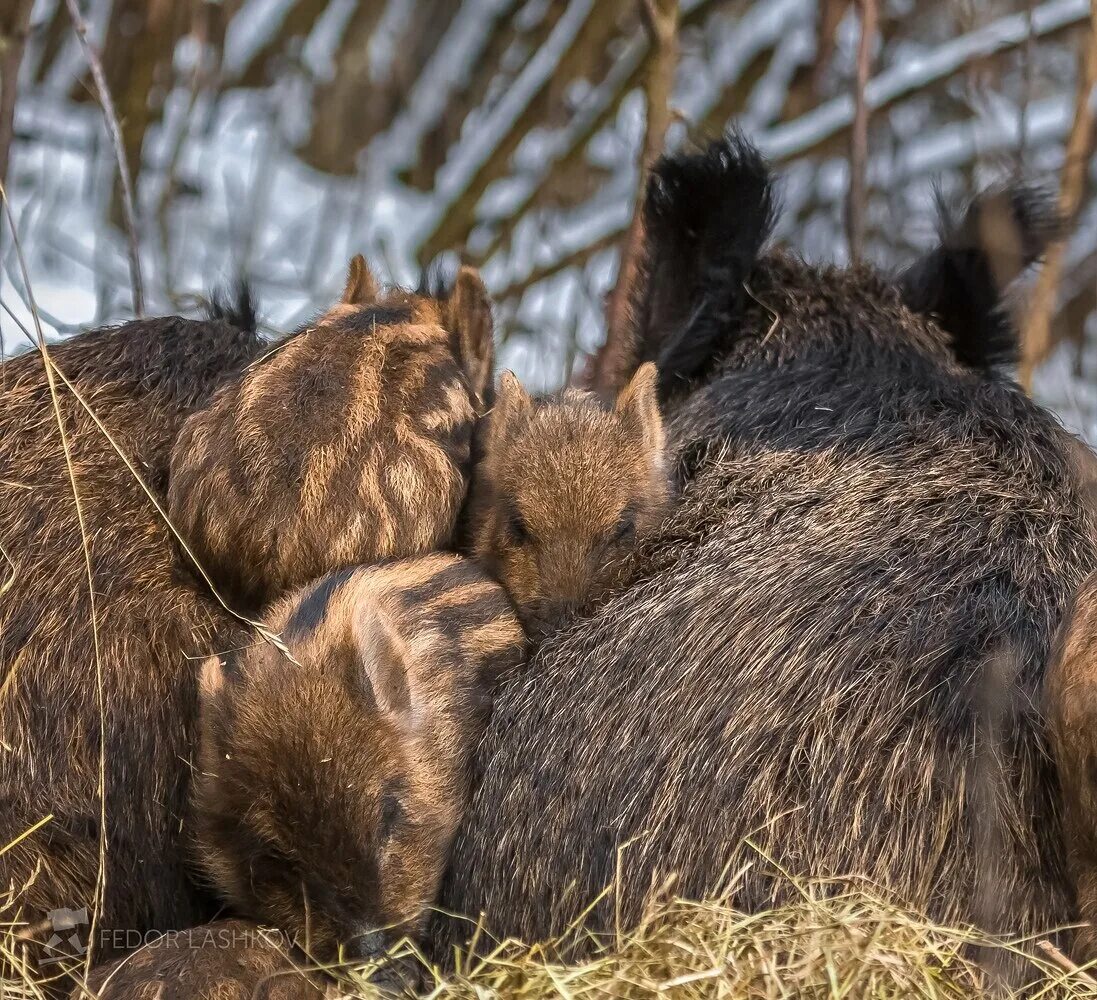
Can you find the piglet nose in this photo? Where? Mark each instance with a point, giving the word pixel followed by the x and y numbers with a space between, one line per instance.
pixel 399 976
pixel 366 947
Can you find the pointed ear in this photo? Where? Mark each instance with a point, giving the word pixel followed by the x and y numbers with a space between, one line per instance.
pixel 706 217
pixel 361 287
pixel 468 317
pixel 382 662
pixel 512 402
pixel 960 284
pixel 638 404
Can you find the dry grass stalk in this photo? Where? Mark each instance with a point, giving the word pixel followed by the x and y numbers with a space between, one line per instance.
pixel 828 942
pixel 66 446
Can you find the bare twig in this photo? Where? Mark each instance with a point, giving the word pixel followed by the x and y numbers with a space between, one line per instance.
pixel 806 134
pixel 858 143
pixel 575 257
pixel 831 13
pixel 1028 78
pixel 14 26
pixel 476 164
pixel 1038 341
pixel 661 21
pixel 199 78
pixel 1064 963
pixel 115 131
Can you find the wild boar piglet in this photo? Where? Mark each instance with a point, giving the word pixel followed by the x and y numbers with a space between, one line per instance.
pixel 564 489
pixel 331 780
pixel 345 444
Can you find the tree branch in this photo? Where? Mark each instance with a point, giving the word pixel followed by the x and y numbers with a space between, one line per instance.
pixel 806 134
pixel 661 23
pixel 858 145
pixel 14 27
pixel 1038 341
pixel 95 64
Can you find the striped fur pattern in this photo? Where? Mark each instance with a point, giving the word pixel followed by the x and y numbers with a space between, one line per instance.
pixel 347 443
pixel 564 490
pixel 329 788
pixel 142 379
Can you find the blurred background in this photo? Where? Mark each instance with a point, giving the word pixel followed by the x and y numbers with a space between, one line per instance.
pixel 274 138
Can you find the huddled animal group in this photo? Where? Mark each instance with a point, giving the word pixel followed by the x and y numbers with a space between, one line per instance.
pixel 331 634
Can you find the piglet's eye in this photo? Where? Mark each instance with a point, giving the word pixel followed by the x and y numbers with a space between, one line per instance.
pixel 519 530
pixel 625 528
pixel 392 816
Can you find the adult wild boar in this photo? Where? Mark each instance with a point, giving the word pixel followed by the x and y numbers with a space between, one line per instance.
pixel 873 520
pixel 64 675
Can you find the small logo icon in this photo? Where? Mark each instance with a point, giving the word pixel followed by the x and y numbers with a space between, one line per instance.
pixel 65 941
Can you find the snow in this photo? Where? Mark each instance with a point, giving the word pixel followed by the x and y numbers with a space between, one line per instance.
pixel 253 208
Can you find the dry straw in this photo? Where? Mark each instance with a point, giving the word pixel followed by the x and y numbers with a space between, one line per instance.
pixel 852 944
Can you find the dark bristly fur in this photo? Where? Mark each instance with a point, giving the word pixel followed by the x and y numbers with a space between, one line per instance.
pixel 226 960
pixel 983 247
pixel 236 306
pixel 143 379
pixel 706 218
pixel 328 789
pixel 864 524
pixel 368 411
pixel 564 490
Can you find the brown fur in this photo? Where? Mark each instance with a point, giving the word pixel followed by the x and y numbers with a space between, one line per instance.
pixel 368 412
pixel 153 623
pixel 1070 694
pixel 564 490
pixel 143 379
pixel 330 787
pixel 226 960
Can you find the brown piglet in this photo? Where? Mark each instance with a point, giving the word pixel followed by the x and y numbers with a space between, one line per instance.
pixel 563 491
pixel 367 412
pixel 331 780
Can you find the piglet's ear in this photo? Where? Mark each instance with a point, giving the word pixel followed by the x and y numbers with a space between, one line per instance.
pixel 361 287
pixel 382 665
pixel 638 405
pixel 512 404
pixel 468 317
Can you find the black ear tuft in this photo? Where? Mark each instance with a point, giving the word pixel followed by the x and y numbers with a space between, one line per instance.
pixel 706 217
pixel 438 278
pixel 982 248
pixel 236 306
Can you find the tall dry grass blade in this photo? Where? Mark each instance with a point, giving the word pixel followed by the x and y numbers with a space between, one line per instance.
pixel 26 833
pixel 66 446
